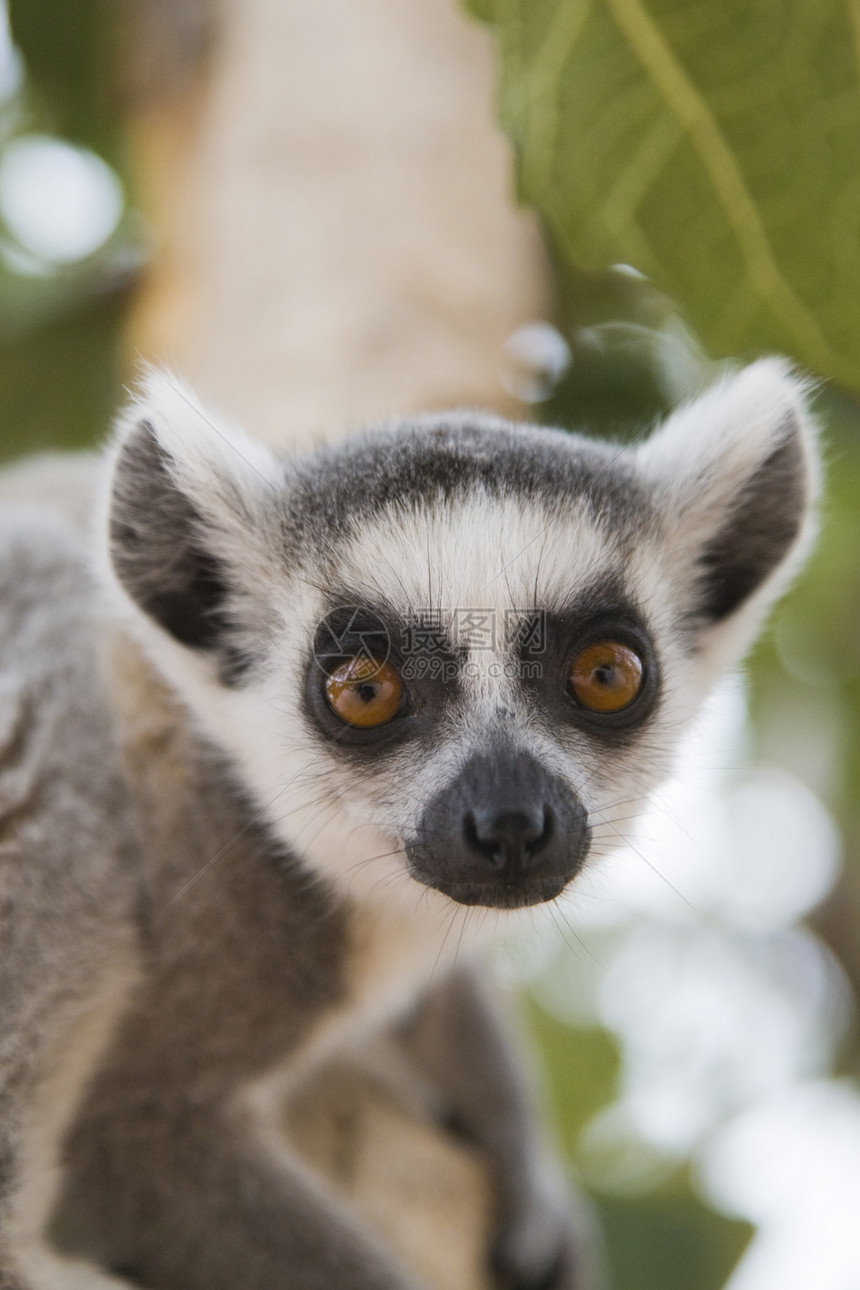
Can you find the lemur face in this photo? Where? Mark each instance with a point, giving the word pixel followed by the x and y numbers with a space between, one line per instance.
pixel 485 668
pixel 448 653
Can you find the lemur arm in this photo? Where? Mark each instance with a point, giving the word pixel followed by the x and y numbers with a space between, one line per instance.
pixel 199 1197
pixel 464 1041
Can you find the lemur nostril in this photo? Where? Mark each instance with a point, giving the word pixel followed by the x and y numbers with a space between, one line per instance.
pixel 474 840
pixel 509 838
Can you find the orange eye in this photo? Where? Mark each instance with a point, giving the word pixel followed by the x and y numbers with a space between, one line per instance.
pixel 606 676
pixel 364 693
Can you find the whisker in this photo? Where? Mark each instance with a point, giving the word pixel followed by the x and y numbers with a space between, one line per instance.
pixel 559 911
pixel 627 842
pixel 441 950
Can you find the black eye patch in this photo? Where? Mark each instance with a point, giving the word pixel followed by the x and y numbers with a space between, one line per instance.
pixel 350 631
pixel 375 638
pixel 568 636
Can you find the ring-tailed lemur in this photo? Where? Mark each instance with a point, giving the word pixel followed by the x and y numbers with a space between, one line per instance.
pixel 308 709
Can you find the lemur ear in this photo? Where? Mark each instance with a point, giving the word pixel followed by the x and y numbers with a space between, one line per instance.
pixel 188 499
pixel 736 474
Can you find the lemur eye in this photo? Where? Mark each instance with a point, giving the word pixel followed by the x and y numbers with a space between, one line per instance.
pixel 606 676
pixel 364 692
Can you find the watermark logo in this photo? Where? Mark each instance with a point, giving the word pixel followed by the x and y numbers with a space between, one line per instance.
pixel 435 644
pixel 525 629
pixel 426 635
pixel 352 632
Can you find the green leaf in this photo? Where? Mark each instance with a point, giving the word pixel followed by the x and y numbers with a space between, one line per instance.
pixel 483 9
pixel 714 146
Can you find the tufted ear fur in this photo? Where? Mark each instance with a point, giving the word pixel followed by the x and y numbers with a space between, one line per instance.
pixel 736 475
pixel 189 502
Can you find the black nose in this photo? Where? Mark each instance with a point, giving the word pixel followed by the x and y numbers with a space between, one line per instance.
pixel 504 832
pixel 510 839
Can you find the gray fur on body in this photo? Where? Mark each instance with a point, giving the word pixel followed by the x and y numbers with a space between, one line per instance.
pixel 203 892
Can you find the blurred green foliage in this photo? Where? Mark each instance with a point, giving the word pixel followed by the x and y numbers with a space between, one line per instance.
pixel 668 1240
pixel 68 48
pixel 657 1241
pixel 712 146
pixel 60 368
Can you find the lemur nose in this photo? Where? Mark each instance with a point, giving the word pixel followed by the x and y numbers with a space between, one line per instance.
pixel 503 833
pixel 509 839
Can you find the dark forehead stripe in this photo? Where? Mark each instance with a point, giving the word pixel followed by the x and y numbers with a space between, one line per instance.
pixel 425 461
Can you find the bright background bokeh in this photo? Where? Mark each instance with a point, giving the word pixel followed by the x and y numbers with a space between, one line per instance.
pixel 697 1007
